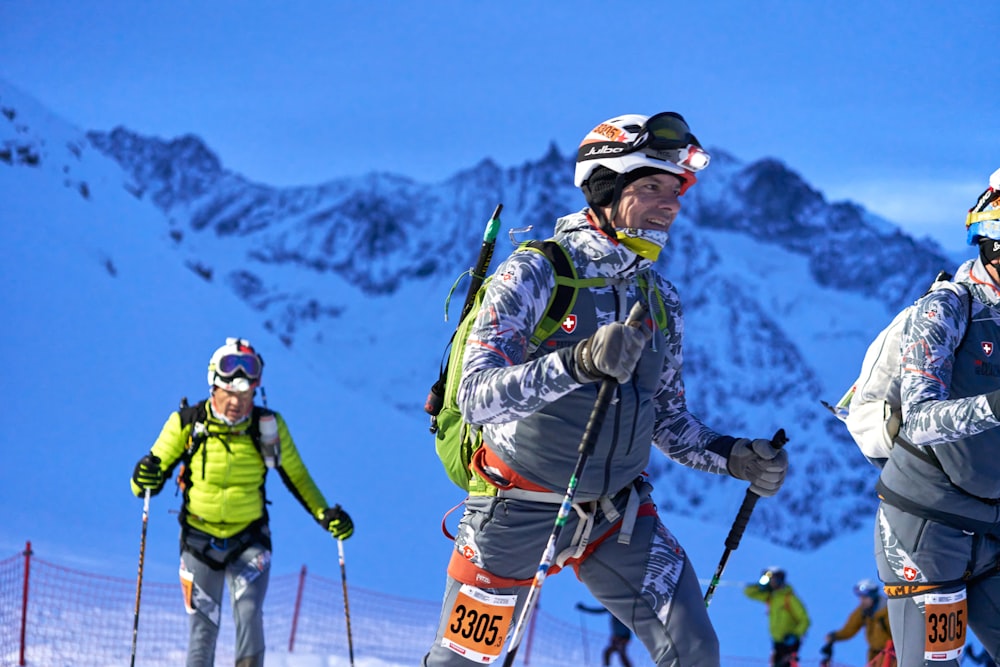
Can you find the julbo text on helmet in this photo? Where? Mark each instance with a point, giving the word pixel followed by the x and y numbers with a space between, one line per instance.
pixel 235 366
pixel 662 142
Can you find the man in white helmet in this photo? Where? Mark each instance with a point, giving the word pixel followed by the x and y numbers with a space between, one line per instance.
pixel 534 401
pixel 937 539
pixel 225 445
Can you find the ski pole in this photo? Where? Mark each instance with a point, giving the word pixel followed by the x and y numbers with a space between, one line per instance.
pixel 590 434
pixel 347 609
pixel 138 583
pixel 435 397
pixel 740 523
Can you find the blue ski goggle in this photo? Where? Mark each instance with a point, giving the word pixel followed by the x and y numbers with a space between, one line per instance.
pixel 231 364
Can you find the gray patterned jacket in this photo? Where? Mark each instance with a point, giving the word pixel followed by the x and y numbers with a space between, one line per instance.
pixel 948 366
pixel 532 410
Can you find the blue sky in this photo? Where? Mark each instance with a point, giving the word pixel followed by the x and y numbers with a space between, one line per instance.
pixel 891 104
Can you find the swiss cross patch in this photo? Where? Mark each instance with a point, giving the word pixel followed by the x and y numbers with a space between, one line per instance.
pixel 987 347
pixel 909 573
pixel 569 324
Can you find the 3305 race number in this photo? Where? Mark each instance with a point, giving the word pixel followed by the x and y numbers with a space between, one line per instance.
pixel 477 624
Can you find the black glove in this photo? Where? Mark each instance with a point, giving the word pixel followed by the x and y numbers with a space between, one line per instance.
pixel 612 351
pixel 759 463
pixel 338 522
pixel 827 649
pixel 147 473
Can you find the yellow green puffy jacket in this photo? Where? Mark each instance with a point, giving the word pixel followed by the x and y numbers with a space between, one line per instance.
pixel 224 481
pixel 786 613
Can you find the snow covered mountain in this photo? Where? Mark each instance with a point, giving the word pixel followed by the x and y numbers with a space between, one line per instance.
pixel 782 289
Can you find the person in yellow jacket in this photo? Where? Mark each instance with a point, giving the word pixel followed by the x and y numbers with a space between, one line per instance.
pixel 872 615
pixel 224 447
pixel 787 617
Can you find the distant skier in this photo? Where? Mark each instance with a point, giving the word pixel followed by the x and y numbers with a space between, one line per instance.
pixel 226 446
pixel 786 615
pixel 618 641
pixel 534 402
pixel 938 527
pixel 872 615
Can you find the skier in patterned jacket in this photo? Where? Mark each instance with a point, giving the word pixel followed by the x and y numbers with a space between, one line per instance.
pixel 937 533
pixel 225 537
pixel 534 402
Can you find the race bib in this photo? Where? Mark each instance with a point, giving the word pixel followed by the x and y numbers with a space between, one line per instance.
pixel 946 615
pixel 478 624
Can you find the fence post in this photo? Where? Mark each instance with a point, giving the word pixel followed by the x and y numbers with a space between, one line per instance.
pixel 295 612
pixel 24 597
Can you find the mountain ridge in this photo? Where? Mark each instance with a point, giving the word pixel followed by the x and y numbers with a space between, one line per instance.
pixel 780 287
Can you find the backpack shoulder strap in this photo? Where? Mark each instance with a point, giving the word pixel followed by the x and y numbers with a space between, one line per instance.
pixel 194 415
pixel 564 294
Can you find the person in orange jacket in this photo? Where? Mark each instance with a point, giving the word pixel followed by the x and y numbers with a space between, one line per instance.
pixel 872 615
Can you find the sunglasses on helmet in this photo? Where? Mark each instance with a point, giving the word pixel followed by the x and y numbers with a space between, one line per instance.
pixel 665 136
pixel 231 364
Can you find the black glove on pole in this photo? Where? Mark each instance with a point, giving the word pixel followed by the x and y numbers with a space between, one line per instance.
pixel 138 583
pixel 740 524
pixel 605 394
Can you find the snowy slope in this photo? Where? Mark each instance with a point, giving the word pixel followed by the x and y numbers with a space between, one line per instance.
pixel 121 275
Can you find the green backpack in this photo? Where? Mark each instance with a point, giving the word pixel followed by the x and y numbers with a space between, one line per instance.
pixel 456 440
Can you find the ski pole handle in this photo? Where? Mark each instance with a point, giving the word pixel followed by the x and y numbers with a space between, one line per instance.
pixel 607 390
pixel 483 262
pixel 749 500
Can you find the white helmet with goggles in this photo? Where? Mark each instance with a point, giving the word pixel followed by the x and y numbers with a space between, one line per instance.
pixel 235 366
pixel 983 220
pixel 662 142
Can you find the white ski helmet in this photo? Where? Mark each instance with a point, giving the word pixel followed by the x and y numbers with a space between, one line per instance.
pixel 984 218
pixel 235 366
pixel 662 142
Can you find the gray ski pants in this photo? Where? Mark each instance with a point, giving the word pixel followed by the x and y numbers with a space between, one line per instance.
pixel 247 577
pixel 940 580
pixel 648 583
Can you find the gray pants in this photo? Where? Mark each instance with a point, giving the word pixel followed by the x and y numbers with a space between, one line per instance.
pixel 950 572
pixel 649 583
pixel 247 577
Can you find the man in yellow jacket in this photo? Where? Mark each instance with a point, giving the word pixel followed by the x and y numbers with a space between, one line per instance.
pixel 787 617
pixel 224 446
pixel 872 615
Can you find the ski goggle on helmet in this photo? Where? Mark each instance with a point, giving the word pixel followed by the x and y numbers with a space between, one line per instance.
pixel 626 143
pixel 984 218
pixel 235 366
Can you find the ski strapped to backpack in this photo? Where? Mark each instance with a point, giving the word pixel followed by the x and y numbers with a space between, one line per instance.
pixel 871 408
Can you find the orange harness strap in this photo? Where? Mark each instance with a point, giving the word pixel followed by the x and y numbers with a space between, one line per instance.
pixel 485 458
pixel 462 569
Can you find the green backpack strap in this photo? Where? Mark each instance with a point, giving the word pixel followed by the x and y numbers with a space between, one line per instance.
pixel 658 309
pixel 568 284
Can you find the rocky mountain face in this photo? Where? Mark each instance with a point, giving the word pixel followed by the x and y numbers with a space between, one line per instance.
pixel 782 289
